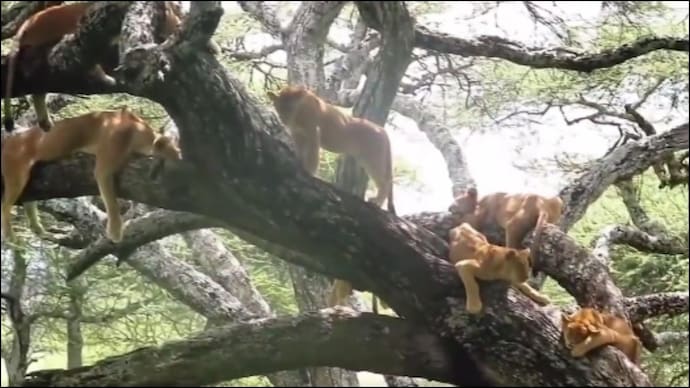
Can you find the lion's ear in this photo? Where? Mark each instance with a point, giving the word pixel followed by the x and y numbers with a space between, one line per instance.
pixel 472 192
pixel 511 254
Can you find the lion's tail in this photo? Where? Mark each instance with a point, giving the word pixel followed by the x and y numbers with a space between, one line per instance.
pixel 389 175
pixel 536 241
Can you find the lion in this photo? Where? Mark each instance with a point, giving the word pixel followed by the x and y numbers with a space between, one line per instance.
pixel 588 329
pixel 475 258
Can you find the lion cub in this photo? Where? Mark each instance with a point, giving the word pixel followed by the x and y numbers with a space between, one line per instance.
pixel 588 329
pixel 475 258
pixel 112 136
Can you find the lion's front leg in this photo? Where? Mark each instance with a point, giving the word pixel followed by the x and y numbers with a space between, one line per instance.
pixel 533 294
pixel 592 342
pixel 466 269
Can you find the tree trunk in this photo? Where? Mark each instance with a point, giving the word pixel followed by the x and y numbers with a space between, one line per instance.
pixel 75 340
pixel 238 169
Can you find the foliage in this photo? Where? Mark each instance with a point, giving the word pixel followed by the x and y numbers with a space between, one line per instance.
pixel 156 316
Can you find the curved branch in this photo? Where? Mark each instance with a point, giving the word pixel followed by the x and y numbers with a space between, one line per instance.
pixel 644 242
pixel 624 162
pixel 440 136
pixel 653 305
pixel 140 231
pixel 638 215
pixel 516 52
pixel 189 286
pixel 383 344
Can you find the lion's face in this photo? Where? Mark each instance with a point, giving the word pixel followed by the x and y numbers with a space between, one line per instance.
pixel 286 101
pixel 579 326
pixel 465 203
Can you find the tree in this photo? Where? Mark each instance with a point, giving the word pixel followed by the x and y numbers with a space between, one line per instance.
pixel 240 163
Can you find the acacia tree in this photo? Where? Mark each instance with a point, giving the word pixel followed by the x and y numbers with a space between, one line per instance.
pixel 239 172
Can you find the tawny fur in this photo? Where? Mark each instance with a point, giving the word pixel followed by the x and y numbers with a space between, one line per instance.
pixel 588 329
pixel 475 258
pixel 517 214
pixel 42 30
pixel 342 289
pixel 112 136
pixel 314 123
pixel 45 29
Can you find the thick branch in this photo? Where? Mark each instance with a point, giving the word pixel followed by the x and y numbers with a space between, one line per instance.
pixel 621 234
pixel 624 162
pixel 496 47
pixel 339 339
pixel 64 69
pixel 649 306
pixel 243 176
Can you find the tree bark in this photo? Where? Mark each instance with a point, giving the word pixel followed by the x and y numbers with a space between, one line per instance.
pixel 560 58
pixel 244 176
pixel 75 340
pixel 220 264
pixel 341 338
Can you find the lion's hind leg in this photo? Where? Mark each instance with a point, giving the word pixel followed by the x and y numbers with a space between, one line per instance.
pixel 15 176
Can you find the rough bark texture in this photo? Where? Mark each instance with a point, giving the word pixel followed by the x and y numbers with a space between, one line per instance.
pixel 327 338
pixel 625 162
pixel 243 174
pixel 183 282
pixel 647 306
pixel 644 242
pixel 304 45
